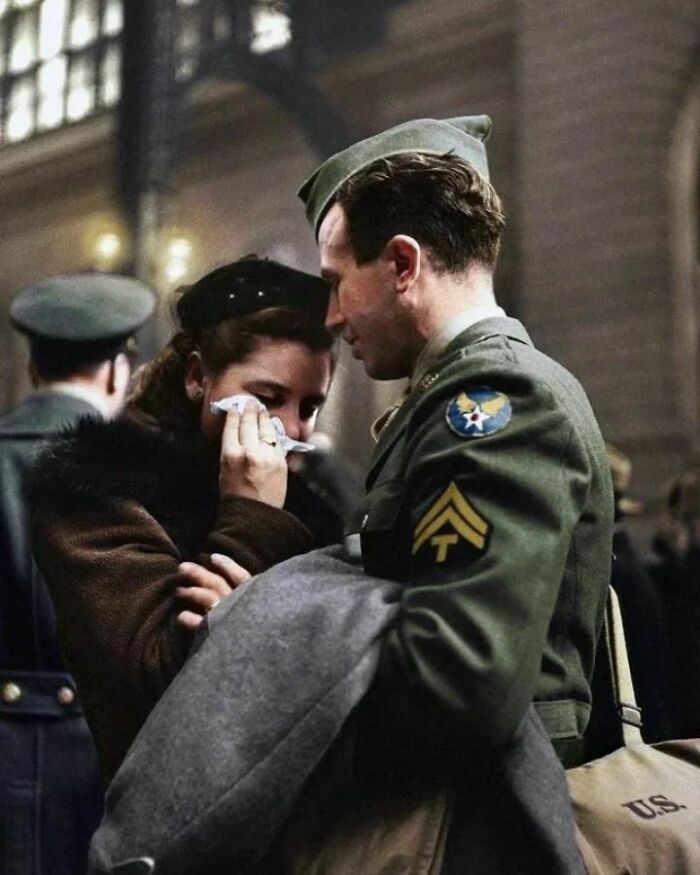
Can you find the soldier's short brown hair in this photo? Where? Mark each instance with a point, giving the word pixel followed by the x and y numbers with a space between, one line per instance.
pixel 440 200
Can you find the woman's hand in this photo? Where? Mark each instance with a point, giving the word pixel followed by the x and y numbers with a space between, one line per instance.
pixel 207 588
pixel 251 464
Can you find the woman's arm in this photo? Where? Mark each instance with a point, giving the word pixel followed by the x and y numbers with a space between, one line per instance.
pixel 113 573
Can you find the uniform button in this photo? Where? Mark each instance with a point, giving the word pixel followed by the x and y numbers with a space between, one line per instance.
pixel 65 696
pixel 11 693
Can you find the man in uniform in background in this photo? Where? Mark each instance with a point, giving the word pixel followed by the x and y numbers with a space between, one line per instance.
pixel 50 794
pixel 489 494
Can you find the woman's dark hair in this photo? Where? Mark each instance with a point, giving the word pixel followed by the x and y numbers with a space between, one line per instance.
pixel 159 388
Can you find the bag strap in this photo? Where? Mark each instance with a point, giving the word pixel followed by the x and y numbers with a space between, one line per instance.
pixel 623 689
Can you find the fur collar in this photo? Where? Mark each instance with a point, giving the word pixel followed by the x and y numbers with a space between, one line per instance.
pixel 170 472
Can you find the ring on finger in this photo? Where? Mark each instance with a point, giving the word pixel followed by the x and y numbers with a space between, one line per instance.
pixel 213 605
pixel 271 442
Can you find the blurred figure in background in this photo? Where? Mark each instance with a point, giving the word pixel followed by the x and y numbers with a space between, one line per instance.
pixel 676 574
pixel 641 610
pixel 645 632
pixel 78 327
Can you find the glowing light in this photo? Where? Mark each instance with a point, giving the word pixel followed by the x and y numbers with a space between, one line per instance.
pixel 185 68
pixel 176 271
pixel 51 28
pixel 178 259
pixel 84 26
pixel 81 97
pixel 22 55
pixel 271 30
pixel 108 248
pixel 180 248
pixel 19 125
pixel 52 81
pixel 50 112
pixel 105 244
pixel 79 103
pixel 114 18
pixel 80 33
pixel 20 121
pixel 111 85
pixel 23 51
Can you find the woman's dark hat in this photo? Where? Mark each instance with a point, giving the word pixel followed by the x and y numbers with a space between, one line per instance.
pixel 250 285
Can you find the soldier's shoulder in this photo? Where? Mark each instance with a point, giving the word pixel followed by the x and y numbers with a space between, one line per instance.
pixel 17 421
pixel 43 414
pixel 507 382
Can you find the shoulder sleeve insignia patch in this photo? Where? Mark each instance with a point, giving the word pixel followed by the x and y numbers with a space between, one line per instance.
pixel 478 412
pixel 450 524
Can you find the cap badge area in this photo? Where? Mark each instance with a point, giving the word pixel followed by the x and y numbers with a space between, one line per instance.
pixel 478 412
pixel 451 529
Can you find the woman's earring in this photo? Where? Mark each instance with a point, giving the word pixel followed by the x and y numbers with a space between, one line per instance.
pixel 197 394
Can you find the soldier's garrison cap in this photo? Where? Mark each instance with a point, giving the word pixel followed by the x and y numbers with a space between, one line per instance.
pixel 247 286
pixel 82 308
pixel 463 137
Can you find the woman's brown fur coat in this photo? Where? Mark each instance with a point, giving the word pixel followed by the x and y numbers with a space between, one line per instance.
pixel 117 507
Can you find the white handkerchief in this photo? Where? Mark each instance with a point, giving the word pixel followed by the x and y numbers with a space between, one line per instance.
pixel 238 402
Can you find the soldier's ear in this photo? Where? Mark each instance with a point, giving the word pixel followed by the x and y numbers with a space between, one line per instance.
pixel 404 253
pixel 119 375
pixel 34 377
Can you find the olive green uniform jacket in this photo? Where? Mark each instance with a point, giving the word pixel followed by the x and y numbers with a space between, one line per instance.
pixel 498 524
pixel 501 531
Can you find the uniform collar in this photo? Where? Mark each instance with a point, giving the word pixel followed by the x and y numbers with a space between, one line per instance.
pixel 474 332
pixel 44 413
pixel 82 393
pixel 442 338
pixel 492 327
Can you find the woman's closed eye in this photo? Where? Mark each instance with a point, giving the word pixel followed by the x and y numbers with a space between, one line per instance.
pixel 270 402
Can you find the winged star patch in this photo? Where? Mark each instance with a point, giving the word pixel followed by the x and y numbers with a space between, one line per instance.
pixel 478 412
pixel 452 527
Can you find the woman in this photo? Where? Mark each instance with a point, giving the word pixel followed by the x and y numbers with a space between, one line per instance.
pixel 120 506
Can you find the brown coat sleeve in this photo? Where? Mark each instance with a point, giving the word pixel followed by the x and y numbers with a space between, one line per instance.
pixel 112 573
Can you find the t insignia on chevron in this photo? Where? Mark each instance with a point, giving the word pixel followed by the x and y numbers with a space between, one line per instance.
pixel 478 412
pixel 451 519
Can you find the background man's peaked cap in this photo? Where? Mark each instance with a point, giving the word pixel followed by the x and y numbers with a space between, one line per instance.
pixel 82 307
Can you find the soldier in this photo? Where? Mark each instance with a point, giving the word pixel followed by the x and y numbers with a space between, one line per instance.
pixel 489 495
pixel 488 500
pixel 50 794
